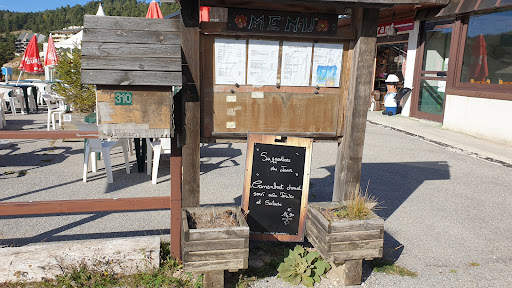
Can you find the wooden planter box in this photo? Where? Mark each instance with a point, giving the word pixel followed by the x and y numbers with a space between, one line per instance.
pixel 344 240
pixel 214 249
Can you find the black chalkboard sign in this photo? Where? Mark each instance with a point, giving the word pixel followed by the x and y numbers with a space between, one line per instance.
pixel 276 187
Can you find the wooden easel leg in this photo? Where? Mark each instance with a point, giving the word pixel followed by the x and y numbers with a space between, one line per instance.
pixel 214 279
pixel 350 272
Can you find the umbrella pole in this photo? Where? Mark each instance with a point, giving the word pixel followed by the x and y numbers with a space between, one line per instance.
pixel 21 72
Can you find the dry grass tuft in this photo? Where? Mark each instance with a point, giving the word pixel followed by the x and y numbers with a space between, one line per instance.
pixel 212 219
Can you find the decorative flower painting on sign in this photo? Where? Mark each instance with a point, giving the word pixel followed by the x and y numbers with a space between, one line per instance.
pixel 241 21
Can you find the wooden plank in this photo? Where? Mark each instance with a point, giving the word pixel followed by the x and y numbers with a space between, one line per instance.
pixel 190 44
pixel 131 23
pixel 357 225
pixel 126 50
pixel 176 189
pixel 43 261
pixel 216 244
pixel 349 158
pixel 191 152
pixel 218 233
pixel 203 266
pixel 131 36
pixel 194 256
pixel 340 257
pixel 319 218
pixel 48 134
pixel 122 78
pixel 353 236
pixel 317 238
pixel 79 206
pixel 356 245
pixel 137 64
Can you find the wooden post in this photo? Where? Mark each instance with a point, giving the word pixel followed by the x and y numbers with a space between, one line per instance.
pixel 191 155
pixel 347 173
pixel 175 199
pixel 214 279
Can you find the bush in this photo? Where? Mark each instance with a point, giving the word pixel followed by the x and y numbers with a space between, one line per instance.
pixel 80 96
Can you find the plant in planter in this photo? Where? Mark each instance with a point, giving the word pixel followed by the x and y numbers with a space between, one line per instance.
pixel 214 238
pixel 346 232
pixel 302 266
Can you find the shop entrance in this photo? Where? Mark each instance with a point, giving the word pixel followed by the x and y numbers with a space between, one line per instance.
pixel 391 59
pixel 434 50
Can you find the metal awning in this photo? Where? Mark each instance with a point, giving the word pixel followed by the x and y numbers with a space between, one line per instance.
pixel 457 7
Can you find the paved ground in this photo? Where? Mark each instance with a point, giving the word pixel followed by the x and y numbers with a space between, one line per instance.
pixel 444 208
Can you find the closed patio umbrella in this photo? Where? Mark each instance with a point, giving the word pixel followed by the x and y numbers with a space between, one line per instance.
pixel 31 63
pixel 154 10
pixel 479 69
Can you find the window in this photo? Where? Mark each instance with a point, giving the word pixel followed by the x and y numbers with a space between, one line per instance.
pixel 487 55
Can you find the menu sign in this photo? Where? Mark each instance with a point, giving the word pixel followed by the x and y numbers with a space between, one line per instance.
pixel 276 187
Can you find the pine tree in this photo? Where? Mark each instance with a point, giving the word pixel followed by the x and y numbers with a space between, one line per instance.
pixel 80 96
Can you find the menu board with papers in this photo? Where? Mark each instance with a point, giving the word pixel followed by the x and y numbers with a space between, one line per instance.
pixel 262 62
pixel 296 63
pixel 230 59
pixel 327 59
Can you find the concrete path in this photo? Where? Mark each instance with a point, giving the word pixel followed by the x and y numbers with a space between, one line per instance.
pixel 447 207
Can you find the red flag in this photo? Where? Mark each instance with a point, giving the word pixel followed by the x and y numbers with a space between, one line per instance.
pixel 479 67
pixel 204 13
pixel 51 58
pixel 154 10
pixel 31 63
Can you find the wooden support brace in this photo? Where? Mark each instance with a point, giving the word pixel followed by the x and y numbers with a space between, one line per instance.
pixel 176 183
pixel 350 272
pixel 213 279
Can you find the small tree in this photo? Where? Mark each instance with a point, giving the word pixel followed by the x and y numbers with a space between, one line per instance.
pixel 80 96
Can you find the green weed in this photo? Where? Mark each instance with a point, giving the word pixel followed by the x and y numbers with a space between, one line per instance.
pixel 385 266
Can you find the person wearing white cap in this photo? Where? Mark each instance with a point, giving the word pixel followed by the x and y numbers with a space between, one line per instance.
pixel 389 99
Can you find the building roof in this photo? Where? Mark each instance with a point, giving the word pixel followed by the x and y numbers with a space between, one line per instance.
pixel 25 37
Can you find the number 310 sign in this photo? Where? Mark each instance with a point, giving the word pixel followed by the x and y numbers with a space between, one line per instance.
pixel 123 98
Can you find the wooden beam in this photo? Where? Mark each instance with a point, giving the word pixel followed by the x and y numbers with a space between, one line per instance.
pixel 191 155
pixel 347 173
pixel 131 23
pixel 81 206
pixel 48 134
pixel 117 77
pixel 175 200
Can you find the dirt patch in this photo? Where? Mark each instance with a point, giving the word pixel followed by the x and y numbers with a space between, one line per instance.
pixel 212 219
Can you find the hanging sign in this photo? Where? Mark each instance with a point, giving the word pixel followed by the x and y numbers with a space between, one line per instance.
pixel 262 21
pixel 403 25
pixel 276 187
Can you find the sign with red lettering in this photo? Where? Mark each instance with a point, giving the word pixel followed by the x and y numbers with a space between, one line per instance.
pixel 403 25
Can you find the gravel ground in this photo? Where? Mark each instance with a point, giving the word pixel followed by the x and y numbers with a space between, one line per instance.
pixel 443 210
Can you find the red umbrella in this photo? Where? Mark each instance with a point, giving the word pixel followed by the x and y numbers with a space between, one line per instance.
pixel 31 63
pixel 51 58
pixel 154 10
pixel 479 53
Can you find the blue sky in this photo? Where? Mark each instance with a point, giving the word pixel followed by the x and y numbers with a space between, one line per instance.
pixel 38 5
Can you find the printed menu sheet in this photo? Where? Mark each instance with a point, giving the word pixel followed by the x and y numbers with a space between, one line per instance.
pixel 296 63
pixel 230 57
pixel 327 61
pixel 262 62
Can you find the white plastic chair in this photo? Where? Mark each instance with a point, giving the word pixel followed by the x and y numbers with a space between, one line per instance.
pixel 104 147
pixel 16 97
pixel 3 123
pixel 156 148
pixel 54 107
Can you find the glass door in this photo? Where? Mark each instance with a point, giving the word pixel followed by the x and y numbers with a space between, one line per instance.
pixel 434 49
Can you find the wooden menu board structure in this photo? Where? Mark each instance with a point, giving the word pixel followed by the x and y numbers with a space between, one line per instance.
pixel 134 63
pixel 276 186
